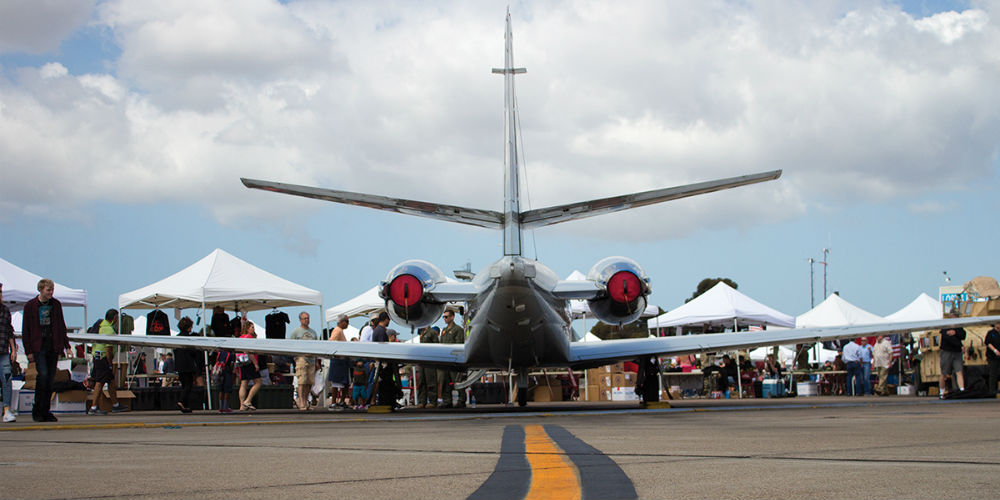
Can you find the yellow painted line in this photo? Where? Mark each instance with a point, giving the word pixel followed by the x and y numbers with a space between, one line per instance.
pixel 553 475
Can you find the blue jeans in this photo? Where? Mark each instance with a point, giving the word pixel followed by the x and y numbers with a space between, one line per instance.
pixel 5 375
pixel 866 369
pixel 45 364
pixel 855 386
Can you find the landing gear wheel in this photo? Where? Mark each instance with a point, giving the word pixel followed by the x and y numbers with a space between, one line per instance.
pixel 522 396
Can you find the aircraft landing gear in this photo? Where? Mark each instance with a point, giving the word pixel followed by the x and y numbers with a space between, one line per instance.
pixel 522 389
pixel 522 396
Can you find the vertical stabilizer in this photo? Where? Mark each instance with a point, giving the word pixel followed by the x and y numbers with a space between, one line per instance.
pixel 511 196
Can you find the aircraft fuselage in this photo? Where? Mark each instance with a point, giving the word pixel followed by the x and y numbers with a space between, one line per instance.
pixel 514 322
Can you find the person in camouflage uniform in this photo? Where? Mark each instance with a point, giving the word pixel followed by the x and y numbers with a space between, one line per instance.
pixel 427 376
pixel 451 334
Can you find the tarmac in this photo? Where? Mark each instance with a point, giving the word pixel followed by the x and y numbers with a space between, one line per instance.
pixel 818 447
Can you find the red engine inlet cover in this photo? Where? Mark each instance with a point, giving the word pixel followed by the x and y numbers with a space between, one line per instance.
pixel 624 287
pixel 405 290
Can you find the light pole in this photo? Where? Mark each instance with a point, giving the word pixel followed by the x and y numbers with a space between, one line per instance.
pixel 812 287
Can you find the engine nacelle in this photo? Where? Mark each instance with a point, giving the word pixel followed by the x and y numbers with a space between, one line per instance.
pixel 405 291
pixel 625 289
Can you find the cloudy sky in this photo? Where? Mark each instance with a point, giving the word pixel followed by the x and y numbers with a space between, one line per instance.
pixel 125 127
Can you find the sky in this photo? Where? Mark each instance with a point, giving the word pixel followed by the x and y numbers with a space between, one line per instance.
pixel 125 127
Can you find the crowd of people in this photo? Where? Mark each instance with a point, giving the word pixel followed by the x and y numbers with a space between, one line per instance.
pixel 359 383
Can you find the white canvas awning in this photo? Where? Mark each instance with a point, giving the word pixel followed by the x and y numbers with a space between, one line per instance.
pixel 20 286
pixel 362 305
pixel 221 279
pixel 835 311
pixel 722 305
pixel 924 307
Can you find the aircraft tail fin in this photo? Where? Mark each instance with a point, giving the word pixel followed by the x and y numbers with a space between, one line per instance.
pixel 572 211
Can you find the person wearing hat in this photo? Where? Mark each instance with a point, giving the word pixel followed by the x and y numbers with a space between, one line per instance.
pixel 8 351
pixel 427 375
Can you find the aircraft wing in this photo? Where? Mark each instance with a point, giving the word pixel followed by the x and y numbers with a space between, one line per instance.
pixel 600 353
pixel 579 210
pixel 451 213
pixel 436 354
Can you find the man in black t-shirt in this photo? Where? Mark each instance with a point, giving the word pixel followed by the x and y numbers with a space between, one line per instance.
pixel 992 342
pixel 952 362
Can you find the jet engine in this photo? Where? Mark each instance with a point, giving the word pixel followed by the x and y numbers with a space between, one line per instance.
pixel 625 287
pixel 405 290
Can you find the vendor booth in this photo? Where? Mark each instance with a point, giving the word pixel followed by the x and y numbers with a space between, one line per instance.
pixel 221 279
pixel 20 286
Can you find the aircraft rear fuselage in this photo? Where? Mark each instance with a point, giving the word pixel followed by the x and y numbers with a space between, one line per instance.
pixel 515 322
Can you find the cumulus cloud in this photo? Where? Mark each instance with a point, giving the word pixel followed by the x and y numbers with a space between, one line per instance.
pixel 857 103
pixel 38 26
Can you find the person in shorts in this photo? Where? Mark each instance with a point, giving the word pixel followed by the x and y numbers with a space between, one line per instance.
pixel 359 379
pixel 249 371
pixel 101 371
pixel 952 363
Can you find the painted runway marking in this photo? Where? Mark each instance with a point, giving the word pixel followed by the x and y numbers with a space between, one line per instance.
pixel 553 475
pixel 548 462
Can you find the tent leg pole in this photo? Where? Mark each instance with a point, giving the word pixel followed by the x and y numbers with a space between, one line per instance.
pixel 208 375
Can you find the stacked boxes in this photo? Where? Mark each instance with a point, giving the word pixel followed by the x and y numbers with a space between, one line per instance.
pixel 604 382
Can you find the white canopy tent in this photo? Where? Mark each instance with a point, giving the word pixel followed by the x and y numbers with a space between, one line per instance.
pixel 362 305
pixel 722 305
pixel 835 311
pixel 924 307
pixel 20 286
pixel 221 279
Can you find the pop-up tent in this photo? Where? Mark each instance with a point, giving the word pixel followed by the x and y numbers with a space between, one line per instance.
pixel 835 311
pixel 922 308
pixel 20 286
pixel 362 305
pixel 221 279
pixel 722 305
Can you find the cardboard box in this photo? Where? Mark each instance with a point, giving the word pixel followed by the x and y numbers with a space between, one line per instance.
pixel 906 390
pixel 545 393
pixel 62 376
pixel 69 402
pixel 23 400
pixel 618 367
pixel 623 379
pixel 807 389
pixel 624 394
pixel 593 392
pixel 605 381
pixel 125 398
pixel 605 394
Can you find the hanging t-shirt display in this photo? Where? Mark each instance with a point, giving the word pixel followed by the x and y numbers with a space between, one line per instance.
pixel 157 323
pixel 274 325
pixel 220 325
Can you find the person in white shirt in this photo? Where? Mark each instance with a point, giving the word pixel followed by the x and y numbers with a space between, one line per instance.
pixel 881 357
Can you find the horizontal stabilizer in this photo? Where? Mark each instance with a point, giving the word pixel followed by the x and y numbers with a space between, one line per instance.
pixel 451 213
pixel 579 210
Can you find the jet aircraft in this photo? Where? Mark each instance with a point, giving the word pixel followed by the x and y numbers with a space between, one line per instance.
pixel 517 309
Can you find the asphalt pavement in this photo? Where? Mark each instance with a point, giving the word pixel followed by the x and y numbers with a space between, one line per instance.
pixel 828 447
